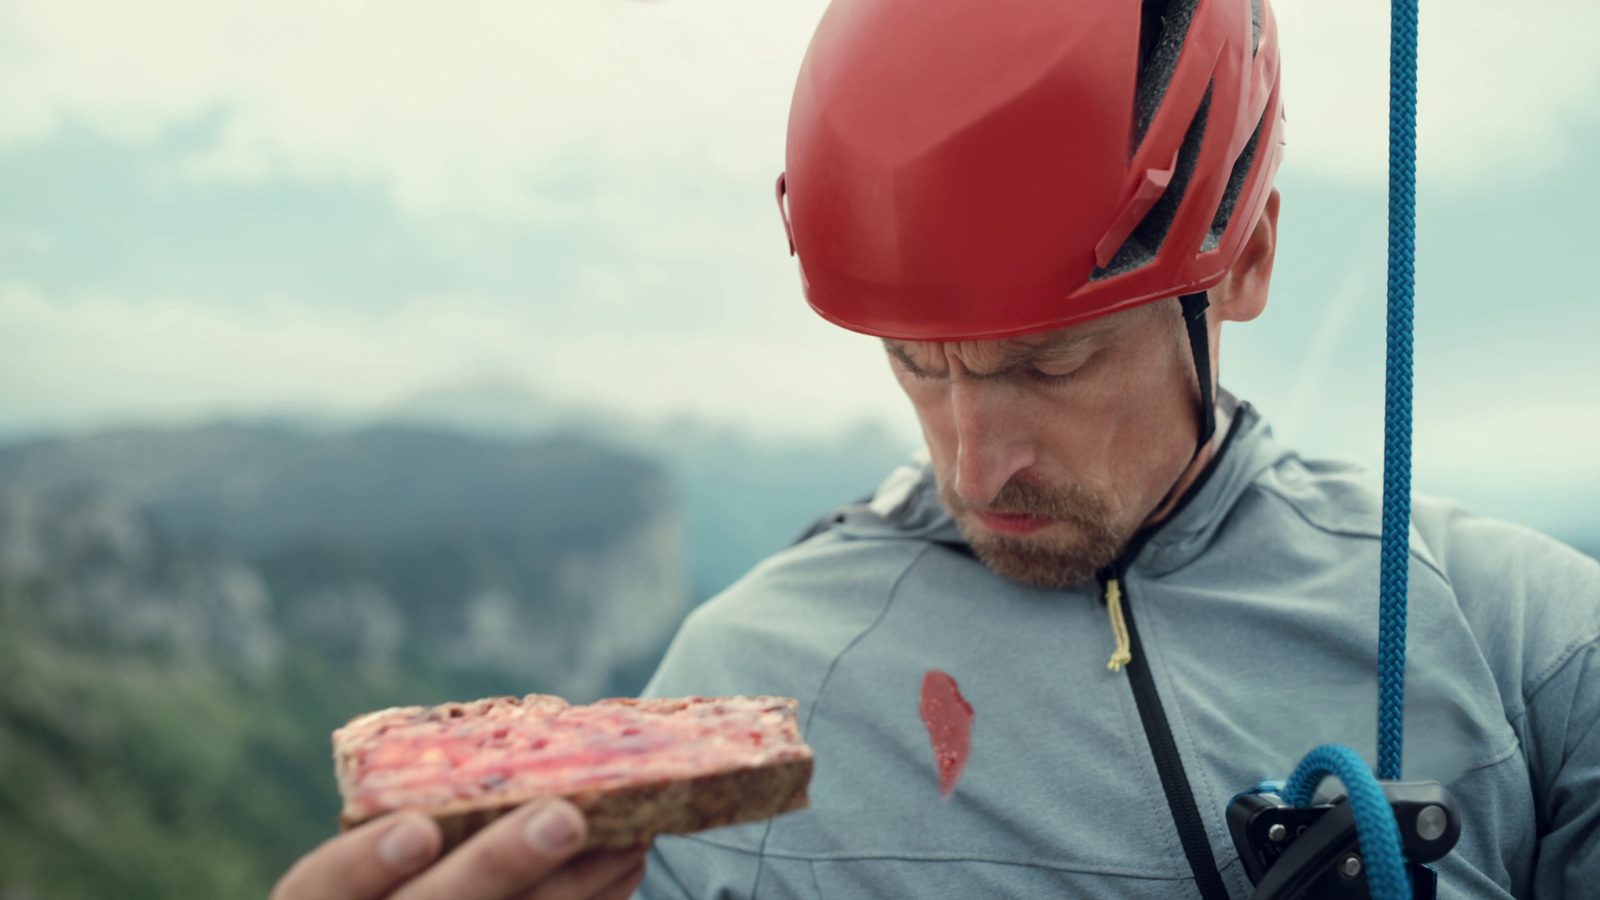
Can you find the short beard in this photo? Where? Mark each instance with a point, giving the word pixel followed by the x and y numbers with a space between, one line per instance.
pixel 1056 562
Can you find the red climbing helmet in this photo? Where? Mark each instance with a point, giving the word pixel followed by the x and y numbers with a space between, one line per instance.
pixel 966 169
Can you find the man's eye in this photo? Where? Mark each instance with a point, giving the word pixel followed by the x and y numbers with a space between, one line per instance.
pixel 1044 377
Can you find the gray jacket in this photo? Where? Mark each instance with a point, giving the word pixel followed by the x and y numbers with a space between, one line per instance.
pixel 1256 610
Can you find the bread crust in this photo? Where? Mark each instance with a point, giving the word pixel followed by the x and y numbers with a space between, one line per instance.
pixel 625 816
pixel 635 815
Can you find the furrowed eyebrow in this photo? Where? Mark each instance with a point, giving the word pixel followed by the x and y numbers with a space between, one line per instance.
pixel 1012 358
pixel 898 351
pixel 1057 346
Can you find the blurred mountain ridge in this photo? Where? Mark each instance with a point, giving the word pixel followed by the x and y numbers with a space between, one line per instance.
pixel 744 494
pixel 558 559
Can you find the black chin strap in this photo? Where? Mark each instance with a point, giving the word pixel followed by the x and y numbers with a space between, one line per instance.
pixel 1194 316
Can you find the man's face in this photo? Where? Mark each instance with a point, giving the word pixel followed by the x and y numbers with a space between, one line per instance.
pixel 1052 449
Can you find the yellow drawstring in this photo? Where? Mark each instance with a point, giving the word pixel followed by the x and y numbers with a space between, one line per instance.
pixel 1119 626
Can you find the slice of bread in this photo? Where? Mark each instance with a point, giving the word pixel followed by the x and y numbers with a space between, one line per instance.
pixel 637 768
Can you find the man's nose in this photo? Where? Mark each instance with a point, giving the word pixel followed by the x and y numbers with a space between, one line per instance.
pixel 993 442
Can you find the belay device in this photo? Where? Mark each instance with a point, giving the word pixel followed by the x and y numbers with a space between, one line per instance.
pixel 1376 840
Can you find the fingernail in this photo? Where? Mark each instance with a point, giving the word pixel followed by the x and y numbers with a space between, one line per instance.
pixel 552 829
pixel 407 844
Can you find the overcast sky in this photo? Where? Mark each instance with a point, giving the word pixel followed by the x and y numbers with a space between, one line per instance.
pixel 325 204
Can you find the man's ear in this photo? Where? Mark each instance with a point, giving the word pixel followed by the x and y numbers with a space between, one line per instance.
pixel 1242 294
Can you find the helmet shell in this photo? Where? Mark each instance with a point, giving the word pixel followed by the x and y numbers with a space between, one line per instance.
pixel 969 169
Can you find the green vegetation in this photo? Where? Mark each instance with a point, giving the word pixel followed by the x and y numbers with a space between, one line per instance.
pixel 133 777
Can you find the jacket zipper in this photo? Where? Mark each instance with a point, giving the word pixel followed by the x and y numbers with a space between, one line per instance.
pixel 1130 658
pixel 1169 765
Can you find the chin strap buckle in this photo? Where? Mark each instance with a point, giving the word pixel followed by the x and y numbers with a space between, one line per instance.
pixel 1313 852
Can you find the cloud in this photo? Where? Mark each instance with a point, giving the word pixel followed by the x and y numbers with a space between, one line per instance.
pixel 82 213
pixel 69 362
pixel 468 105
pixel 1499 88
pixel 1548 439
pixel 480 105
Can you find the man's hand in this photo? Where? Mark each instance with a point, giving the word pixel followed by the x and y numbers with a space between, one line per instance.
pixel 527 855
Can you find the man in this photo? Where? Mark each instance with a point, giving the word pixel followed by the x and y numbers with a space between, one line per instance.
pixel 1047 209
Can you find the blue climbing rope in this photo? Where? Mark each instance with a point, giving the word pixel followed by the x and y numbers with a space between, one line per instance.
pixel 1394 566
pixel 1384 862
pixel 1387 878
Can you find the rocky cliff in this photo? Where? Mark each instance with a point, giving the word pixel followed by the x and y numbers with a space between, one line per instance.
pixel 550 563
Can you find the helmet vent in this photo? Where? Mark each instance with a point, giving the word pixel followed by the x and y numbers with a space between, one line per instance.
pixel 1230 197
pixel 1163 28
pixel 1145 242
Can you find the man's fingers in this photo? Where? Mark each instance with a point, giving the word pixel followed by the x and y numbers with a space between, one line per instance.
pixel 364 864
pixel 590 876
pixel 507 859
